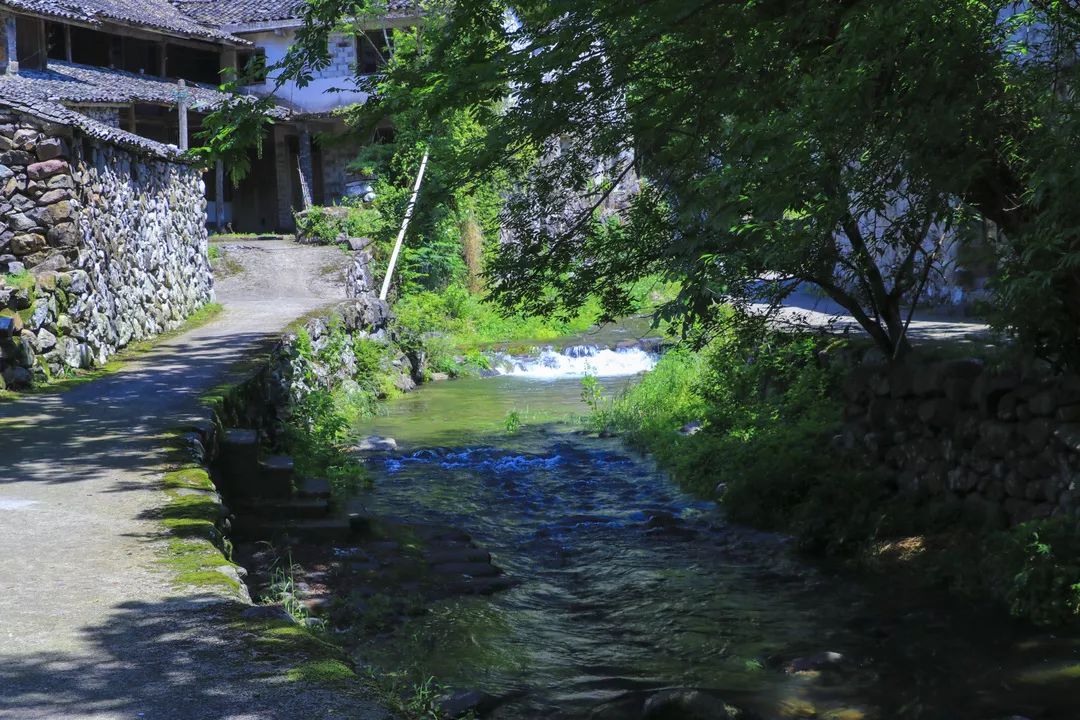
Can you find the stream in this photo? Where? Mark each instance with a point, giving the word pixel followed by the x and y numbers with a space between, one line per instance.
pixel 626 586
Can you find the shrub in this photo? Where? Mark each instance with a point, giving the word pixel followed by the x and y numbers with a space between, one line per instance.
pixel 1043 558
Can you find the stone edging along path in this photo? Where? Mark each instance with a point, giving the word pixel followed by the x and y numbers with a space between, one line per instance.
pixel 93 623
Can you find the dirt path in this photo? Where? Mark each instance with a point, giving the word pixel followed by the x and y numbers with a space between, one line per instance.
pixel 90 623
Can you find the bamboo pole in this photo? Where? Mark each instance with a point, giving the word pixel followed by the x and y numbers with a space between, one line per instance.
pixel 404 226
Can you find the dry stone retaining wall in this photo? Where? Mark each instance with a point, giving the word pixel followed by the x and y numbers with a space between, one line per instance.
pixel 101 246
pixel 1005 444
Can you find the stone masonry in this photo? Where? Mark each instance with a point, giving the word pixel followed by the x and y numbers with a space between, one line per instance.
pixel 1005 444
pixel 100 246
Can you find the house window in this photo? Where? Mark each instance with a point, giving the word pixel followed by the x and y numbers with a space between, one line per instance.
pixel 30 43
pixel 56 40
pixel 373 49
pixel 192 64
pixel 140 56
pixel 90 47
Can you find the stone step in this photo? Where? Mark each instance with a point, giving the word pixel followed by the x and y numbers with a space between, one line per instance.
pixel 283 509
pixel 238 461
pixel 275 478
pixel 313 487
pixel 306 530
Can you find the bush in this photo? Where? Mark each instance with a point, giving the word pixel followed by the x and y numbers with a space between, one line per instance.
pixel 315 435
pixel 766 417
pixel 1043 560
pixel 327 224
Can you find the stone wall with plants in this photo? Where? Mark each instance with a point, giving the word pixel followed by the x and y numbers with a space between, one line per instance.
pixel 100 246
pixel 1003 442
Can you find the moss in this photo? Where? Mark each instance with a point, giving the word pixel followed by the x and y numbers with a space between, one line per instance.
pixel 22 280
pixel 1049 676
pixel 195 563
pixel 200 317
pixel 322 672
pixel 192 478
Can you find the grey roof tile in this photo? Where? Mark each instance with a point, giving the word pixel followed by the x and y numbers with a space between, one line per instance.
pixel 157 14
pixel 70 83
pixel 55 113
pixel 223 13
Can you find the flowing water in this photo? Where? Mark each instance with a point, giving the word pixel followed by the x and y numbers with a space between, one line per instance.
pixel 626 585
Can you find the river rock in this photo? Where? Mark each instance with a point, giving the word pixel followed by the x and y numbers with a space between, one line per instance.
pixel 376 443
pixel 686 704
pixel 466 702
pixel 267 612
pixel 813 663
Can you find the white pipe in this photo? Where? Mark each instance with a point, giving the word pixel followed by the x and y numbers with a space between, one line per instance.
pixel 404 226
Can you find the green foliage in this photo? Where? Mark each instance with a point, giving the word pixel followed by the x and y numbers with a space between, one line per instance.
pixel 283 591
pixel 315 434
pixel 513 422
pixel 1046 558
pixel 759 414
pixel 409 699
pixel 760 170
pixel 327 224
pixel 21 279
pixel 592 392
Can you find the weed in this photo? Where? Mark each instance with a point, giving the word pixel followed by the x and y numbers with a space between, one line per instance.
pixel 282 590
pixel 513 422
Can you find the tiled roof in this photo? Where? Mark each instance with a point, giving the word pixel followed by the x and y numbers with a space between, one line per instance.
pixel 217 13
pixel 73 84
pixel 225 13
pixel 155 14
pixel 54 112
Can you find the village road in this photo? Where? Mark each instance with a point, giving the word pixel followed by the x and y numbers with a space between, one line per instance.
pixel 91 625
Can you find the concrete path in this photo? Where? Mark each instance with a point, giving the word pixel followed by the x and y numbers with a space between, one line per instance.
pixel 90 624
pixel 806 310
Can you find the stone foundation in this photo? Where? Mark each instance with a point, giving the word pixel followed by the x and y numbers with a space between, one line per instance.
pixel 102 246
pixel 1004 443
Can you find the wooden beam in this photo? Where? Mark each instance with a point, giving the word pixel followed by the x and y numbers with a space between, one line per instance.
pixel 182 111
pixel 219 195
pixel 67 43
pixel 304 164
pixel 10 34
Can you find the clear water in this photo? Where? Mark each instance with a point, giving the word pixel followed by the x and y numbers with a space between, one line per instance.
pixel 627 584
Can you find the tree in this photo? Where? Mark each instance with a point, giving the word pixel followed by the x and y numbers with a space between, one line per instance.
pixel 838 143
pixel 779 143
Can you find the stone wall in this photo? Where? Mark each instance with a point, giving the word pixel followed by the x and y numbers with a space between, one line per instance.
pixel 101 246
pixel 1005 444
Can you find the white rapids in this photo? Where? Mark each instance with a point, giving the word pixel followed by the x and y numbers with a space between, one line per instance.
pixel 578 361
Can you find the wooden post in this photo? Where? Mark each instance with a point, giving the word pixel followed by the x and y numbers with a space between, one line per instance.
pixel 131 120
pixel 68 52
pixel 219 195
pixel 12 47
pixel 404 226
pixel 305 166
pixel 182 108
pixel 163 59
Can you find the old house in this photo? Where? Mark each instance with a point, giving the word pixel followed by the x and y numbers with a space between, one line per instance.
pixel 152 68
pixel 98 101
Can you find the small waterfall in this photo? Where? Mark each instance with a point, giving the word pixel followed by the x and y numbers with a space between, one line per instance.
pixel 578 361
